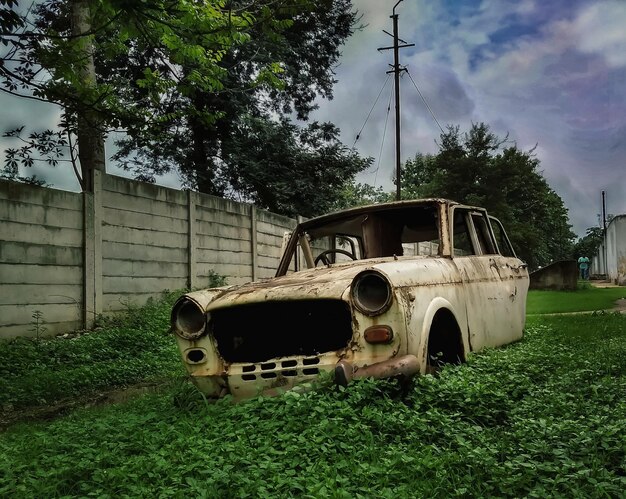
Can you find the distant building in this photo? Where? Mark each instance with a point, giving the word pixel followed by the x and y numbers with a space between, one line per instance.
pixel 611 257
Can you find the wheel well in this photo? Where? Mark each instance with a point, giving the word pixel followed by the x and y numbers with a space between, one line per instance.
pixel 445 344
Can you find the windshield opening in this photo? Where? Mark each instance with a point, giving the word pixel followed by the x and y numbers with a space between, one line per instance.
pixel 402 231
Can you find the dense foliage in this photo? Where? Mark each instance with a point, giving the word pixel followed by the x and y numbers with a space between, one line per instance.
pixel 214 133
pixel 541 418
pixel 357 194
pixel 292 170
pixel 54 46
pixel 478 168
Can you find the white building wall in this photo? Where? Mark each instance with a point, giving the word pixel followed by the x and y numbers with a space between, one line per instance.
pixel 614 247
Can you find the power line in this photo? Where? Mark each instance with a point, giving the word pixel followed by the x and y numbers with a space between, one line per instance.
pixel 426 103
pixel 380 153
pixel 358 135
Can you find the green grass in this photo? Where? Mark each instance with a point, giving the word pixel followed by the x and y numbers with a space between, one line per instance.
pixel 585 299
pixel 131 348
pixel 541 418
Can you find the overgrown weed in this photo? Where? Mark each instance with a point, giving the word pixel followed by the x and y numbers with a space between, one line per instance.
pixel 540 418
pixel 129 348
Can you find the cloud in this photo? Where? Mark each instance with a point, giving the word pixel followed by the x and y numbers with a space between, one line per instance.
pixel 548 73
pixel 600 30
pixel 442 89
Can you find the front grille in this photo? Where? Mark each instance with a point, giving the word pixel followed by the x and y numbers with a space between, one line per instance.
pixel 261 331
pixel 287 368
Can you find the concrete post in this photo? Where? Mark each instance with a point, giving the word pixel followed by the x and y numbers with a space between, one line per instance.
pixel 192 267
pixel 253 242
pixel 92 247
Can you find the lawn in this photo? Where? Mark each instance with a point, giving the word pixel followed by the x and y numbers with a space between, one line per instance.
pixel 541 418
pixel 581 300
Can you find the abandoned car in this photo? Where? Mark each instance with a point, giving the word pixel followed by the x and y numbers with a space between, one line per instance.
pixel 386 290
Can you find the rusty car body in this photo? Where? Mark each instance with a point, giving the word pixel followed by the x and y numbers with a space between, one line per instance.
pixel 383 290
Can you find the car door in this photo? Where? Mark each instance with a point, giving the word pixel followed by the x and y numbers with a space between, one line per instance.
pixel 515 273
pixel 485 282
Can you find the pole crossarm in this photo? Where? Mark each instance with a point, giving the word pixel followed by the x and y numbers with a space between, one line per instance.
pixel 393 47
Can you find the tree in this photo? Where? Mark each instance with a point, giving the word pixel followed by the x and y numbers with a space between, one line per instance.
pixel 292 170
pixel 478 168
pixel 49 49
pixel 191 84
pixel 212 142
pixel 89 131
pixel 417 174
pixel 589 244
pixel 356 194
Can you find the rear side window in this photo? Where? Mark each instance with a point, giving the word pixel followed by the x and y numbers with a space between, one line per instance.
pixel 504 244
pixel 483 234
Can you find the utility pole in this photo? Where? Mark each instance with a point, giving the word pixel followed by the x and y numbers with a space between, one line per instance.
pixel 396 70
pixel 604 211
pixel 606 264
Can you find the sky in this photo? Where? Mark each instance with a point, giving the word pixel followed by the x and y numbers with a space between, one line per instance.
pixel 550 74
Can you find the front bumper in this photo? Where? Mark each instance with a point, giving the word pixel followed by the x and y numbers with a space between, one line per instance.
pixel 406 366
pixel 275 377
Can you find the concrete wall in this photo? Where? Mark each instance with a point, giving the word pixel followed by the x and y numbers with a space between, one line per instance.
pixel 558 275
pixel 598 265
pixel 72 256
pixel 616 250
pixel 41 259
pixel 614 247
pixel 144 241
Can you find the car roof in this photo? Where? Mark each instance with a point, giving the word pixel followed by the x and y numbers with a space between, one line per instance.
pixel 372 208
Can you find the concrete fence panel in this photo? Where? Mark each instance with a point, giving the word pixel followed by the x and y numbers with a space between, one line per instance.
pixel 270 231
pixel 222 235
pixel 67 257
pixel 144 230
pixel 41 260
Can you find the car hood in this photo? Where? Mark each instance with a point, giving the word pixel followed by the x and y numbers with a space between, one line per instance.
pixel 319 283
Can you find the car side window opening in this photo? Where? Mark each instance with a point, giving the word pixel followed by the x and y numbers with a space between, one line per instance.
pixel 501 238
pixel 483 234
pixel 461 237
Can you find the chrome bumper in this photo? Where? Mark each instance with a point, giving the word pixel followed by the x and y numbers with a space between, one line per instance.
pixel 406 366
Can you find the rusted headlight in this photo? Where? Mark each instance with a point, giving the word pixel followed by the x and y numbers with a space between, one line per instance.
pixel 188 319
pixel 371 292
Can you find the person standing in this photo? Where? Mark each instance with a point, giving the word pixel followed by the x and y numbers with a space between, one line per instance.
pixel 583 266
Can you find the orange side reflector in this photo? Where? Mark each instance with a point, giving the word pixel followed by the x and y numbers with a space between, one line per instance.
pixel 378 334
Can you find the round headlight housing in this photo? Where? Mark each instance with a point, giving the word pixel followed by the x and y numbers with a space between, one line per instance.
pixel 371 292
pixel 188 319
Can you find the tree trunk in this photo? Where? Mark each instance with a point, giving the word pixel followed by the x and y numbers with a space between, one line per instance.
pixel 90 136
